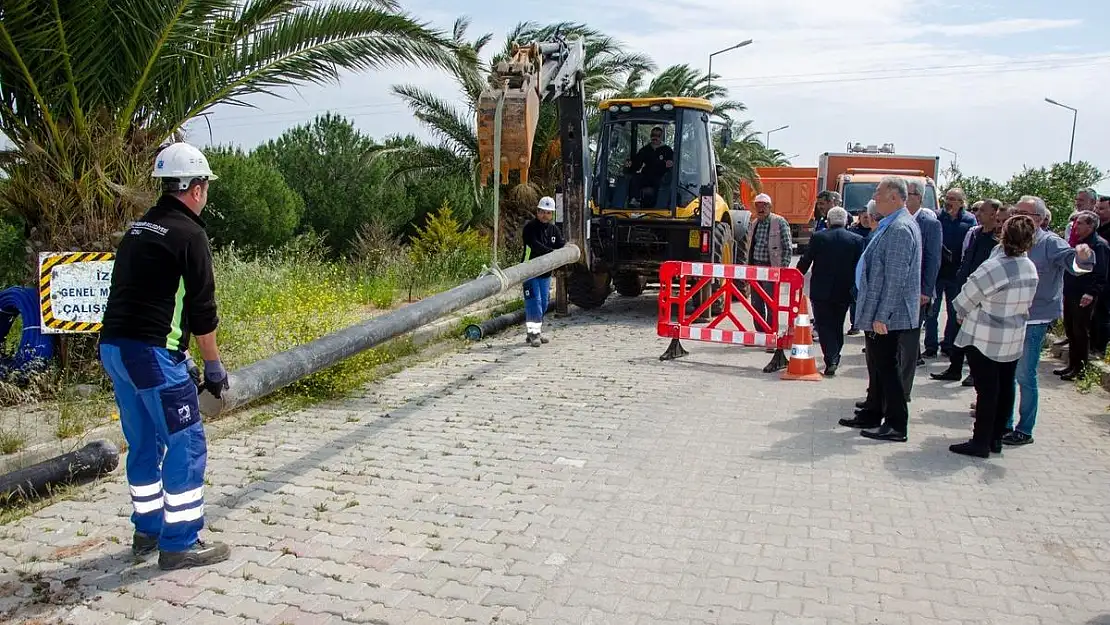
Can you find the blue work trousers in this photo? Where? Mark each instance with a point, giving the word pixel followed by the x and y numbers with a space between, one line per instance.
pixel 537 292
pixel 1026 378
pixel 167 451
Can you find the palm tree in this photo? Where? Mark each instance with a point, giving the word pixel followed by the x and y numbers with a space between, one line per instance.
pixel 682 81
pixel 742 155
pixel 89 90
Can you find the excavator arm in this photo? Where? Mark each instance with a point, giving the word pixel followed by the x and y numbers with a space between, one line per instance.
pixel 508 112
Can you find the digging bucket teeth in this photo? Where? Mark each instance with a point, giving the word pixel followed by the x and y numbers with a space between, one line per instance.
pixel 516 80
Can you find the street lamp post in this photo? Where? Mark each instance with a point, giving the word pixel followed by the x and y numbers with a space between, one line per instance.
pixel 1074 118
pixel 767 141
pixel 739 45
pixel 955 157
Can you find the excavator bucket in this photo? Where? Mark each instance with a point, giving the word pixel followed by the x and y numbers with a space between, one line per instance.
pixel 516 82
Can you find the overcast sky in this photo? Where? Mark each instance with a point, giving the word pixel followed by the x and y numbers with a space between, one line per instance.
pixel 969 76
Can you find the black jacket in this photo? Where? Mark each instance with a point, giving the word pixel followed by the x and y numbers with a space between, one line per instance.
pixel 978 251
pixel 834 254
pixel 1093 283
pixel 541 239
pixel 163 289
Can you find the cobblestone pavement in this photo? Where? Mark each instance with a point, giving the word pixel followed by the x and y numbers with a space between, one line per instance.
pixel 588 482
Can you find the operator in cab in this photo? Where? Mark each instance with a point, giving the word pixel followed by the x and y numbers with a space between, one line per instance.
pixel 540 237
pixel 648 167
pixel 163 292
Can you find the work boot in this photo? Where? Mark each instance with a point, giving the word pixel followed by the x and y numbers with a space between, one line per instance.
pixel 143 544
pixel 200 554
pixel 533 339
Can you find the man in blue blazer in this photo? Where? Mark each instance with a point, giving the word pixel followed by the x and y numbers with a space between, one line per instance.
pixel 833 253
pixel 888 303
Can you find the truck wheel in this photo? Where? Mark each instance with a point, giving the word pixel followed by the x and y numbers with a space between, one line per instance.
pixel 587 290
pixel 629 284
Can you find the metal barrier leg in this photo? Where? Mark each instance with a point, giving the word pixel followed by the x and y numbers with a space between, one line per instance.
pixel 778 361
pixel 674 350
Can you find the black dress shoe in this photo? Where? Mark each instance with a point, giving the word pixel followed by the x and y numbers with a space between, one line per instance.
pixel 861 404
pixel 968 381
pixel 885 433
pixel 930 353
pixel 1064 371
pixel 920 362
pixel 860 421
pixel 830 371
pixel 970 449
pixel 948 375
pixel 1069 376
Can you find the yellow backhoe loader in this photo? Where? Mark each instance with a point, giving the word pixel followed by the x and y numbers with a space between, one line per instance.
pixel 651 193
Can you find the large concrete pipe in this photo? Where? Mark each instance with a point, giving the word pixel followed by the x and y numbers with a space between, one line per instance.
pixel 265 376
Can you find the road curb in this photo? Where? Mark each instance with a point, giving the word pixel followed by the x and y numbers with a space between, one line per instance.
pixel 420 337
pixel 1060 353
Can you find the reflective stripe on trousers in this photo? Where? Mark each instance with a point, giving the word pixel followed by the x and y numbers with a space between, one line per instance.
pixel 167 451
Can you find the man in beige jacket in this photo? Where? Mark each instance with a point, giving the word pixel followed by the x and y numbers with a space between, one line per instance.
pixel 768 244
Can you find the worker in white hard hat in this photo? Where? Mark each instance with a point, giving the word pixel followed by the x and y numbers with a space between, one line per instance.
pixel 768 244
pixel 162 294
pixel 541 236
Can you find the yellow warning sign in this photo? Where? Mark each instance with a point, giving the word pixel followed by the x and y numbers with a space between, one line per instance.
pixel 73 290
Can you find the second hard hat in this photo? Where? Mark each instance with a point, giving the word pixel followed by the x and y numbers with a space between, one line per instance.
pixel 546 203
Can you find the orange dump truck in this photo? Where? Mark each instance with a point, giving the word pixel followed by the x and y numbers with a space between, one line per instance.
pixel 856 173
pixel 793 191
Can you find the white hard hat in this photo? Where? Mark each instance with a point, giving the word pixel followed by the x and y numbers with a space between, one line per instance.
pixel 546 204
pixel 763 197
pixel 184 162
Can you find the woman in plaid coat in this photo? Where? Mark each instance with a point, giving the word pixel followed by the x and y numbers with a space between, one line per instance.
pixel 992 308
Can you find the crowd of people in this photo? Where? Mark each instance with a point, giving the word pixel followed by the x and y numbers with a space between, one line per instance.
pixel 1003 278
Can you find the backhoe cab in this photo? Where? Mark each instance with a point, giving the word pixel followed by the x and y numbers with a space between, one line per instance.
pixel 655 166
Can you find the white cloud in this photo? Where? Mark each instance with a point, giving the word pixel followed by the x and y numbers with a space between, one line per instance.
pixel 1000 28
pixel 872 71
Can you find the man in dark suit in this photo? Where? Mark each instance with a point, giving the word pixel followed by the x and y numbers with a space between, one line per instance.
pixel 833 254
pixel 888 285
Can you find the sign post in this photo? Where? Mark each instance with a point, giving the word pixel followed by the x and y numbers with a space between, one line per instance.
pixel 73 290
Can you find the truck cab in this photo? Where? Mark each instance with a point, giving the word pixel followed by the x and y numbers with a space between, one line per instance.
pixel 857 186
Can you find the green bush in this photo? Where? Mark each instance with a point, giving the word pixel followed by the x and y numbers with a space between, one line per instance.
pixel 14 268
pixel 250 205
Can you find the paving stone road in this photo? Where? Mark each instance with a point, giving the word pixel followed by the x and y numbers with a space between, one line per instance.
pixel 588 482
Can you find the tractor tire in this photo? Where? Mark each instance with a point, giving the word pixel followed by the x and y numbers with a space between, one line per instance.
pixel 741 221
pixel 587 290
pixel 629 284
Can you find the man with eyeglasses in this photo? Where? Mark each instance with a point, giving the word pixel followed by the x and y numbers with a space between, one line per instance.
pixel 931 235
pixel 955 221
pixel 648 166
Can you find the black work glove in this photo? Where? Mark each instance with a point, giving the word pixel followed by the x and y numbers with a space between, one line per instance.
pixel 194 372
pixel 215 378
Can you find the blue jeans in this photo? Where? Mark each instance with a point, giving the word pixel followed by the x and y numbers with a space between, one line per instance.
pixel 167 451
pixel 537 292
pixel 1026 378
pixel 947 289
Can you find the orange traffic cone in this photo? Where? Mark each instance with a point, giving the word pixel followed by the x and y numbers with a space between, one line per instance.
pixel 803 365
